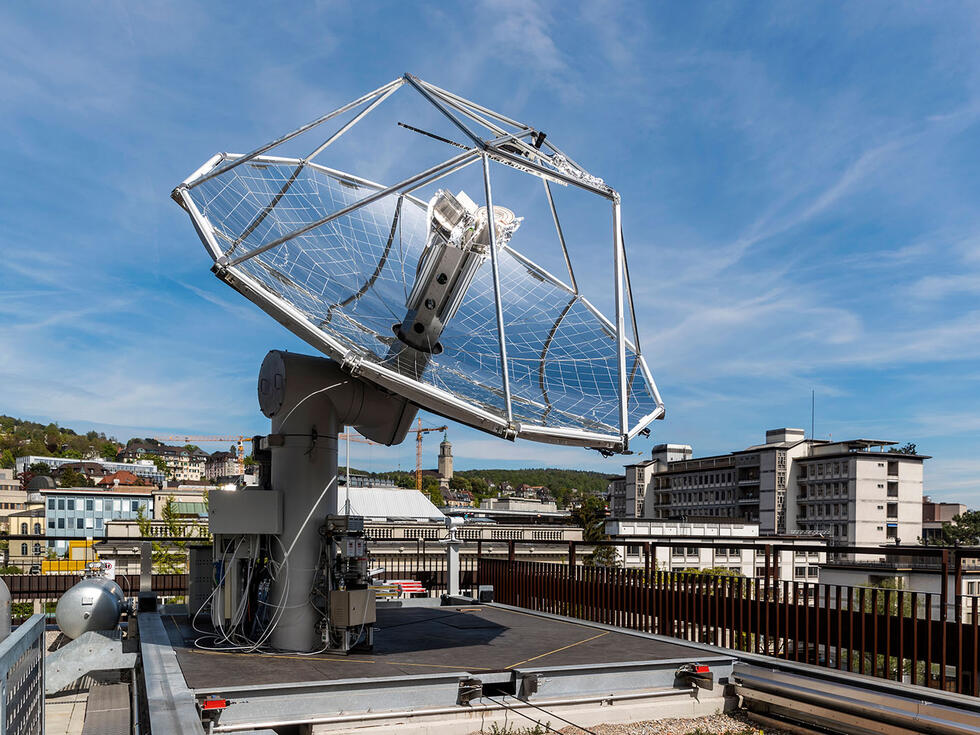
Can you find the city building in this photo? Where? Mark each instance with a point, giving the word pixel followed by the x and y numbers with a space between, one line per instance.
pixel 12 500
pixel 854 491
pixel 735 546
pixel 23 553
pixel 182 464
pixel 445 462
pixel 83 512
pixel 937 515
pixel 142 468
pixel 221 465
pixel 521 504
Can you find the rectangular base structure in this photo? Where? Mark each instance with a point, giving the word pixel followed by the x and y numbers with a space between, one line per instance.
pixel 449 662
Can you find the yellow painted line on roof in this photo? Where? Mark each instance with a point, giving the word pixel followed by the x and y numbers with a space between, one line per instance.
pixel 563 648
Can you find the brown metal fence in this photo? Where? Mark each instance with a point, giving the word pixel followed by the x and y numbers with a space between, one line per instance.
pixel 895 634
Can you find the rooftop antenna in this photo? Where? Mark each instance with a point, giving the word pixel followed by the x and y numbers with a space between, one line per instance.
pixel 419 297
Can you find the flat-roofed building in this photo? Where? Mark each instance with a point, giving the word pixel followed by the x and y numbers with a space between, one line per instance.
pixel 856 492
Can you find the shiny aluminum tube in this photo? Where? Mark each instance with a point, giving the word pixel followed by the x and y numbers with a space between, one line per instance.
pixel 458 709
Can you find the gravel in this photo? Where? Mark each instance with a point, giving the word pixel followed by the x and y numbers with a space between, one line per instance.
pixel 733 724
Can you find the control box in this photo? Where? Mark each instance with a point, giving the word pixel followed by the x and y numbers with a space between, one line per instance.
pixel 352 608
pixel 250 510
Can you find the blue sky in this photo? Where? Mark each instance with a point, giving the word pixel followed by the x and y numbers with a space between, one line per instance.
pixel 800 188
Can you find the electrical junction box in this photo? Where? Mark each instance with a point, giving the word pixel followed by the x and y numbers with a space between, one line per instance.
pixel 352 608
pixel 247 511
pixel 355 548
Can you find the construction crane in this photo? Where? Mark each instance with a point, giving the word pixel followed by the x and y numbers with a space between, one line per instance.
pixel 419 431
pixel 239 442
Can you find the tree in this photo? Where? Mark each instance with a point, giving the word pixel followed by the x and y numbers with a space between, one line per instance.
pixel 74 478
pixel 591 518
pixel 460 483
pixel 908 448
pixel 7 460
pixel 964 530
pixel 40 468
pixel 109 451
pixel 169 557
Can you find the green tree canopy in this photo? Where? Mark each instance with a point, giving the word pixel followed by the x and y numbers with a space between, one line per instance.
pixel 964 530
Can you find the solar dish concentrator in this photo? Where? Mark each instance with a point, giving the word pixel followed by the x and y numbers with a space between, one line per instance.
pixel 427 289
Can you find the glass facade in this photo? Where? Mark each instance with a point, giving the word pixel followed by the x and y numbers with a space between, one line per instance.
pixel 84 513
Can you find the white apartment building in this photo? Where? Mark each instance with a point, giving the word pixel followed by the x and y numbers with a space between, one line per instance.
pixel 221 464
pixel 856 493
pixel 717 545
pixel 853 492
pixel 182 464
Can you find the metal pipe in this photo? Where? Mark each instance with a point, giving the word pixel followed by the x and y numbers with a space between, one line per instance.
pixel 561 235
pixel 495 267
pixel 477 140
pixel 457 709
pixel 351 123
pixel 298 131
pixel 439 168
pixel 620 326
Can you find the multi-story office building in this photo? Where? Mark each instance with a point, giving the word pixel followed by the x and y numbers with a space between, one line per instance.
pixel 143 468
pixel 82 512
pixel 853 492
pixel 182 464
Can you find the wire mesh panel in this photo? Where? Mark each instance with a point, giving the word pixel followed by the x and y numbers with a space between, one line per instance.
pixel 22 672
pixel 339 259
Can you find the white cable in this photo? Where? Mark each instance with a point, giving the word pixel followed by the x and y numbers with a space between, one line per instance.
pixel 308 397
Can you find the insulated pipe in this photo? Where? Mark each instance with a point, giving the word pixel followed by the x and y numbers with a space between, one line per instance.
pixel 309 399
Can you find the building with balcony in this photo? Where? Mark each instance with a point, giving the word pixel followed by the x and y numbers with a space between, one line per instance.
pixel 182 464
pixel 222 464
pixel 858 492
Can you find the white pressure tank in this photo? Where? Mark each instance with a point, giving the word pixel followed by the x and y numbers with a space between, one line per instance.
pixel 95 603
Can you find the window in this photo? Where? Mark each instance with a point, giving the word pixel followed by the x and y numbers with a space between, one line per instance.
pixel 61 523
pixel 98 524
pixel 98 505
pixel 50 503
pixel 135 505
pixel 117 506
pixel 37 529
pixel 892 530
pixel 892 489
pixel 760 571
pixel 23 549
pixel 23 528
pixel 37 549
pixel 799 571
pixel 71 504
pixel 812 571
pixel 61 503
pixel 893 510
pixel 79 523
pixel 893 468
pixel 89 504
pixel 89 522
pixel 51 523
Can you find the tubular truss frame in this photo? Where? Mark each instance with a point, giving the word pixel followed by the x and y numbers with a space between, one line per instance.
pixel 540 158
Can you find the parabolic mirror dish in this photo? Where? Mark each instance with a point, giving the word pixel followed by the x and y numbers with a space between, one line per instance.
pixel 345 263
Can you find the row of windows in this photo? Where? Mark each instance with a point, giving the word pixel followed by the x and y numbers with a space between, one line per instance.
pixel 824 469
pixel 24 527
pixel 828 489
pixel 13 506
pixel 94 504
pixel 76 523
pixel 709 496
pixel 711 478
pixel 837 510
